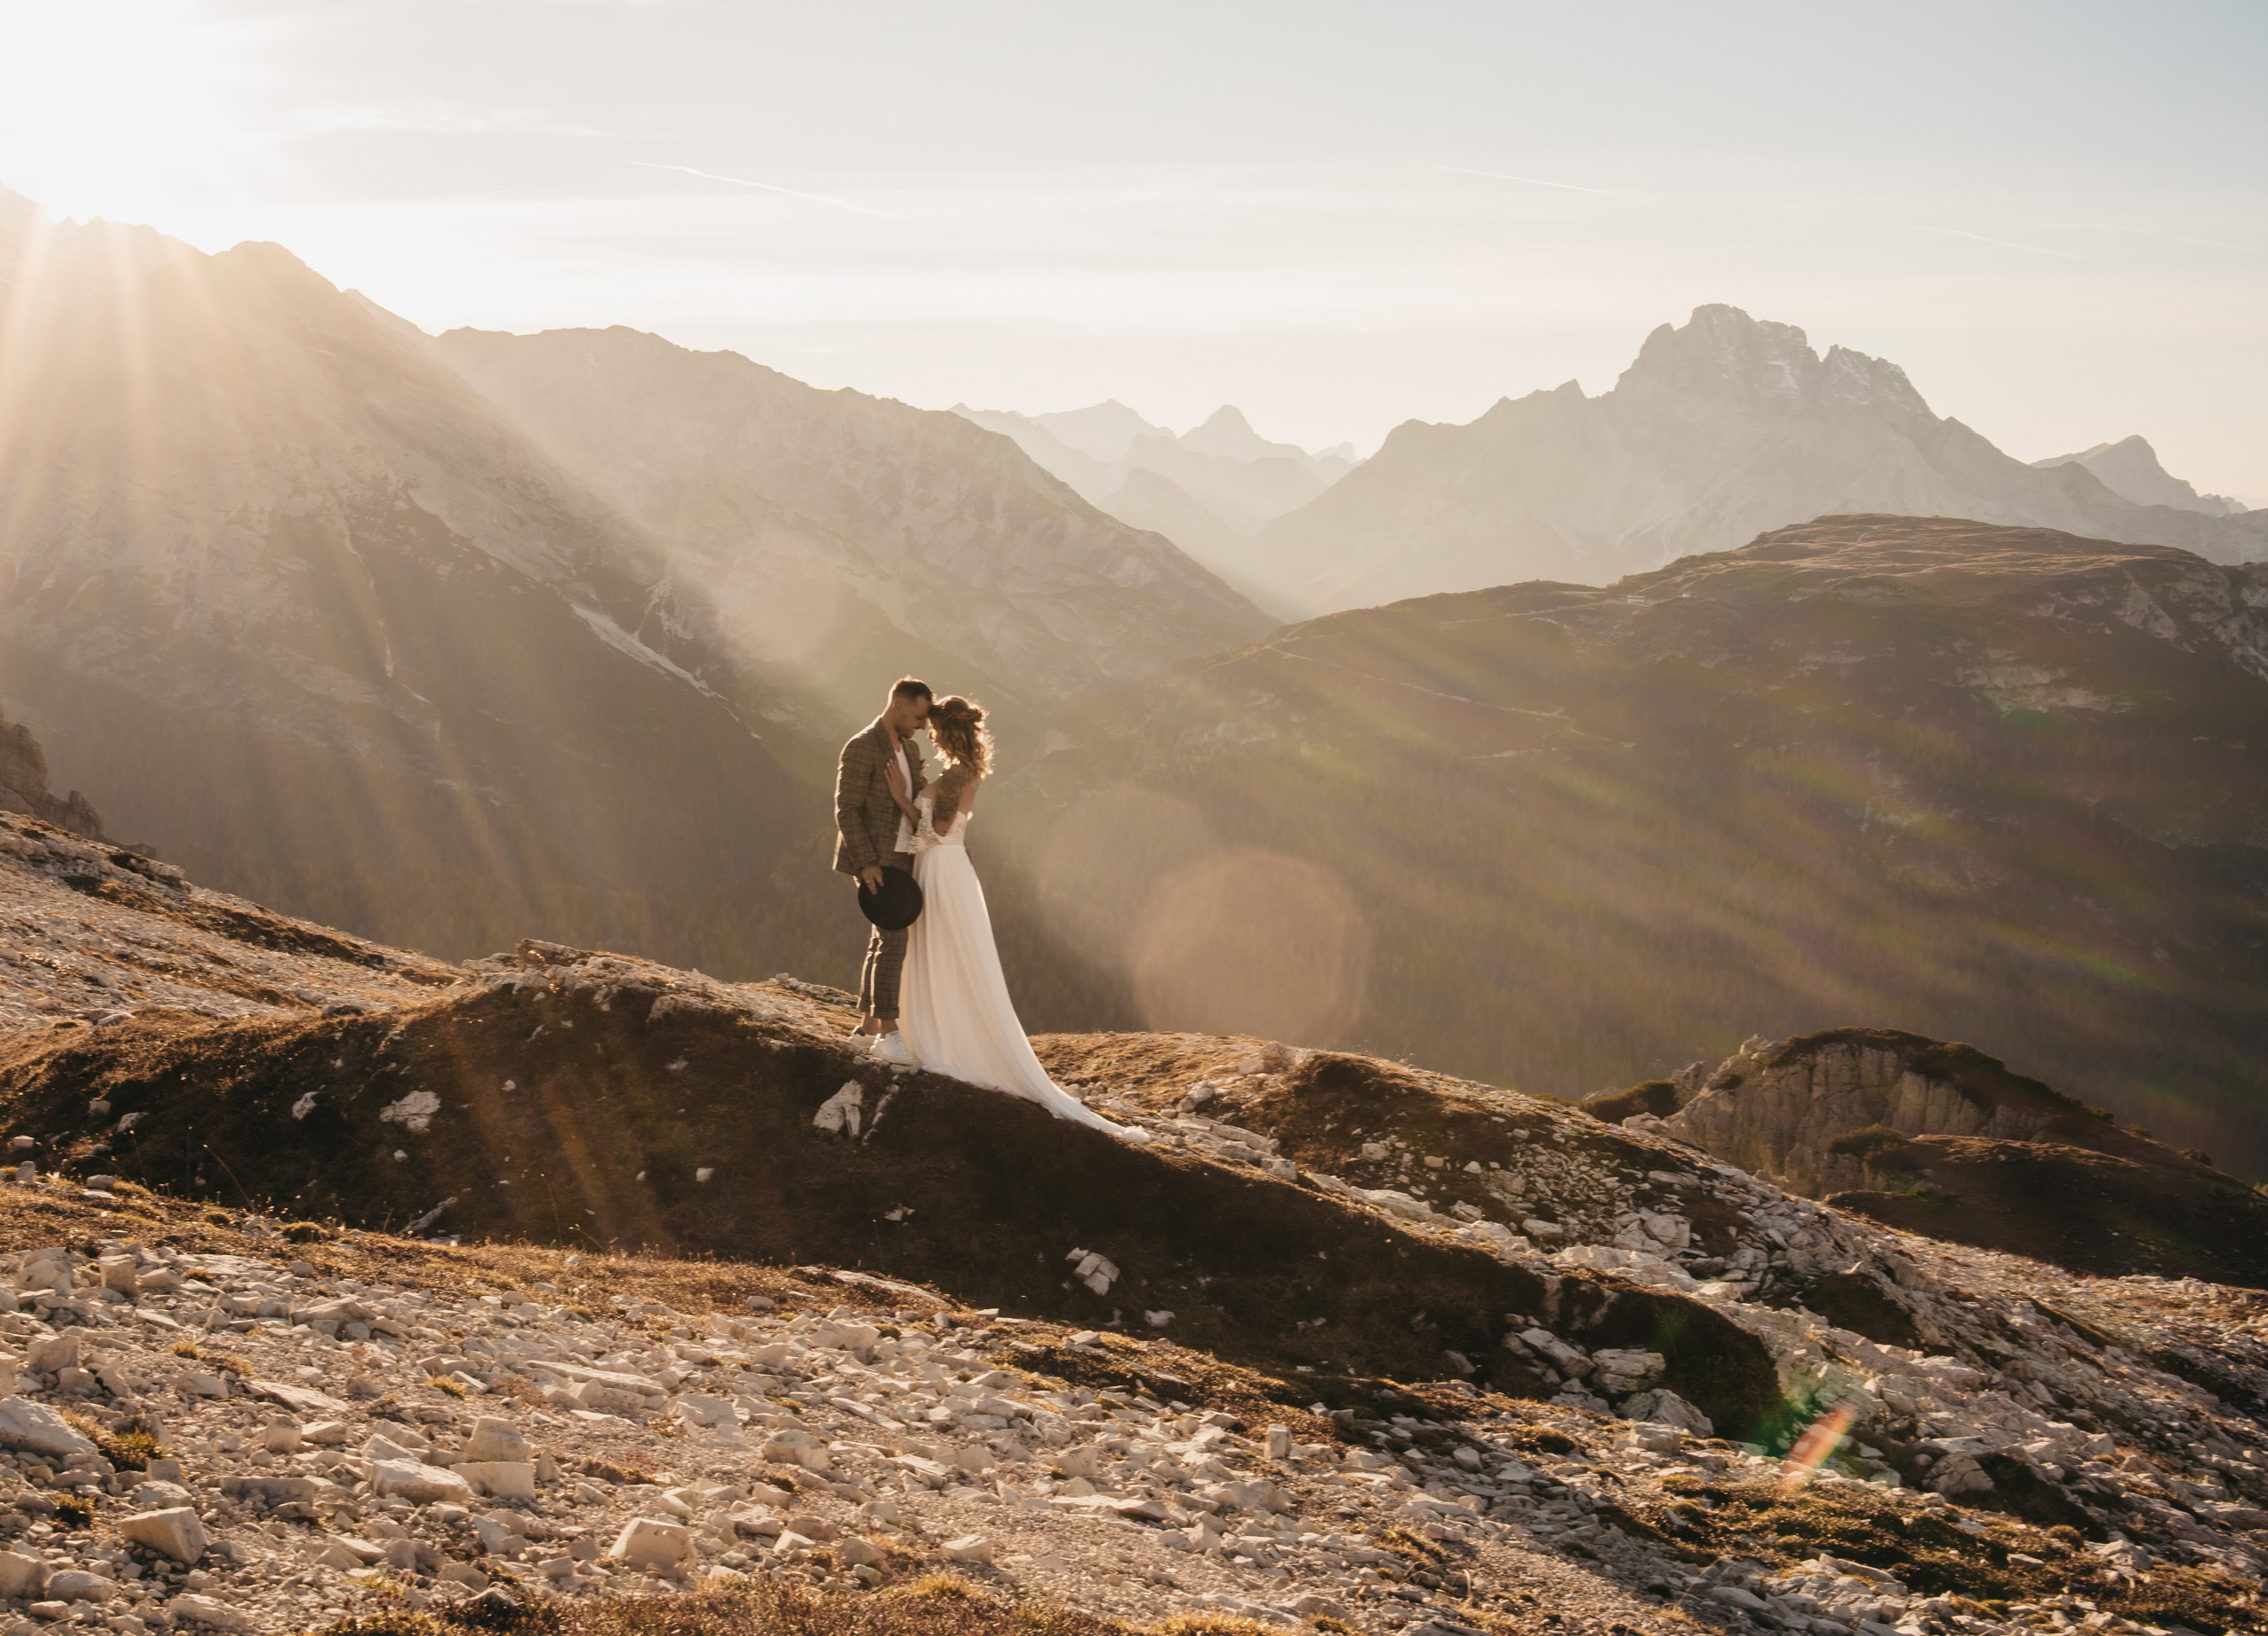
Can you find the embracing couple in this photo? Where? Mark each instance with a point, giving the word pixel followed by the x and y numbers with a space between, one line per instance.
pixel 932 992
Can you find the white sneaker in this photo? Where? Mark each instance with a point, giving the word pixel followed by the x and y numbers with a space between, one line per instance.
pixel 891 1048
pixel 857 1041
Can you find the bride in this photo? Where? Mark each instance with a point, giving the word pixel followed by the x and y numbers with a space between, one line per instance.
pixel 954 1010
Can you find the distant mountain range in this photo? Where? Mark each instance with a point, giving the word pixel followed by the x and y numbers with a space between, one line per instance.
pixel 2130 469
pixel 1721 429
pixel 1206 489
pixel 314 612
pixel 1992 784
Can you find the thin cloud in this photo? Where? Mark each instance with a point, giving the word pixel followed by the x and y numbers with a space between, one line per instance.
pixel 2030 249
pixel 2173 238
pixel 437 119
pixel 769 187
pixel 1533 181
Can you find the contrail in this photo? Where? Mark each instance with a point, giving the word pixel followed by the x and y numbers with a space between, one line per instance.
pixel 2030 249
pixel 1533 181
pixel 769 187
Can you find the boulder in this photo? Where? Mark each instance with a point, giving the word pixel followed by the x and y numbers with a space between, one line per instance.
pixel 39 1428
pixel 204 1610
pixel 421 1483
pixel 1665 1406
pixel 507 1479
pixel 649 1542
pixel 703 1410
pixel 21 1576
pixel 969 1549
pixel 494 1439
pixel 177 1531
pixel 76 1584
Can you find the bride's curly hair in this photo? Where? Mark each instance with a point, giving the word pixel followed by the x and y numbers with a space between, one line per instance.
pixel 958 726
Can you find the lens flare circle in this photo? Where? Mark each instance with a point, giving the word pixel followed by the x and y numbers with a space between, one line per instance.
pixel 1249 942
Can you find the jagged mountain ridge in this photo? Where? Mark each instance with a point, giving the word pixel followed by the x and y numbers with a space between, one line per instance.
pixel 836 535
pixel 1721 430
pixel 1546 1293
pixel 1980 783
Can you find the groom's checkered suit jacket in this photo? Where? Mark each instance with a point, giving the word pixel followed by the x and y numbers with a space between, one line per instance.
pixel 865 818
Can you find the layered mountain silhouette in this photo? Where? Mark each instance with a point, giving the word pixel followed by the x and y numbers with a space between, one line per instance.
pixel 1207 489
pixel 1721 430
pixel 834 536
pixel 1984 783
pixel 2129 469
pixel 317 616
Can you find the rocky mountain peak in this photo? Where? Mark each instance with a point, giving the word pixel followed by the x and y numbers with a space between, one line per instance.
pixel 1859 381
pixel 1723 353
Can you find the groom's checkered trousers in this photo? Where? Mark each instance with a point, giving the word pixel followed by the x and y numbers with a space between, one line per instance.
pixel 866 825
pixel 885 958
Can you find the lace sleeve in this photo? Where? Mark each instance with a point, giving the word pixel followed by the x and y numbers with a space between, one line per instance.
pixel 925 833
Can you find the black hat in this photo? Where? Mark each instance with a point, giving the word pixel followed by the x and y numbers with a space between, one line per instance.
pixel 897 905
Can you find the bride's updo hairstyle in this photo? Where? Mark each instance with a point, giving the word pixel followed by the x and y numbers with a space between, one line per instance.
pixel 958 726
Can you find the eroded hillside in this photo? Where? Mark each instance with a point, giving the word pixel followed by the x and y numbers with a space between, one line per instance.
pixel 1522 1362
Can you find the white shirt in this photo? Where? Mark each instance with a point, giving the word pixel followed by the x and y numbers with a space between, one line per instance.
pixel 904 824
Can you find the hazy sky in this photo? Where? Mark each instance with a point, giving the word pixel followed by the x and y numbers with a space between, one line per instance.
pixel 1338 216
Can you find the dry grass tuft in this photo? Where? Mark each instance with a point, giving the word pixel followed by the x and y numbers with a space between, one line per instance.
pixel 129 1448
pixel 939 1605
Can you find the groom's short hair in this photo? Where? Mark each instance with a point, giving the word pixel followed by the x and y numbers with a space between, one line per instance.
pixel 911 687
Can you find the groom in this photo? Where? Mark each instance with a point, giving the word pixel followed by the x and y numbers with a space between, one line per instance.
pixel 870 833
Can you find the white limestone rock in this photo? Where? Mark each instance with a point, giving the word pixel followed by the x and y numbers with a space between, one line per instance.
pixel 650 1542
pixel 191 1609
pixel 177 1532
pixel 39 1428
pixel 415 1481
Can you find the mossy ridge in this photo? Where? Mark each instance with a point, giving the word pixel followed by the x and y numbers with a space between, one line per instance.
pixel 1939 1551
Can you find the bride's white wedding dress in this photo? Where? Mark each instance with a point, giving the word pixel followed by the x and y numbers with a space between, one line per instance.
pixel 953 1005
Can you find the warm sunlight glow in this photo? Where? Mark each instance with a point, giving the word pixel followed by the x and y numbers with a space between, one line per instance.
pixel 117 107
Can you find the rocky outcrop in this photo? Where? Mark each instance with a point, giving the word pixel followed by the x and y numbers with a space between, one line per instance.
pixel 24 788
pixel 1942 1139
pixel 1781 1106
pixel 1723 428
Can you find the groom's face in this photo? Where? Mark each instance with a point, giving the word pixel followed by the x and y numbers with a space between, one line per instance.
pixel 908 717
